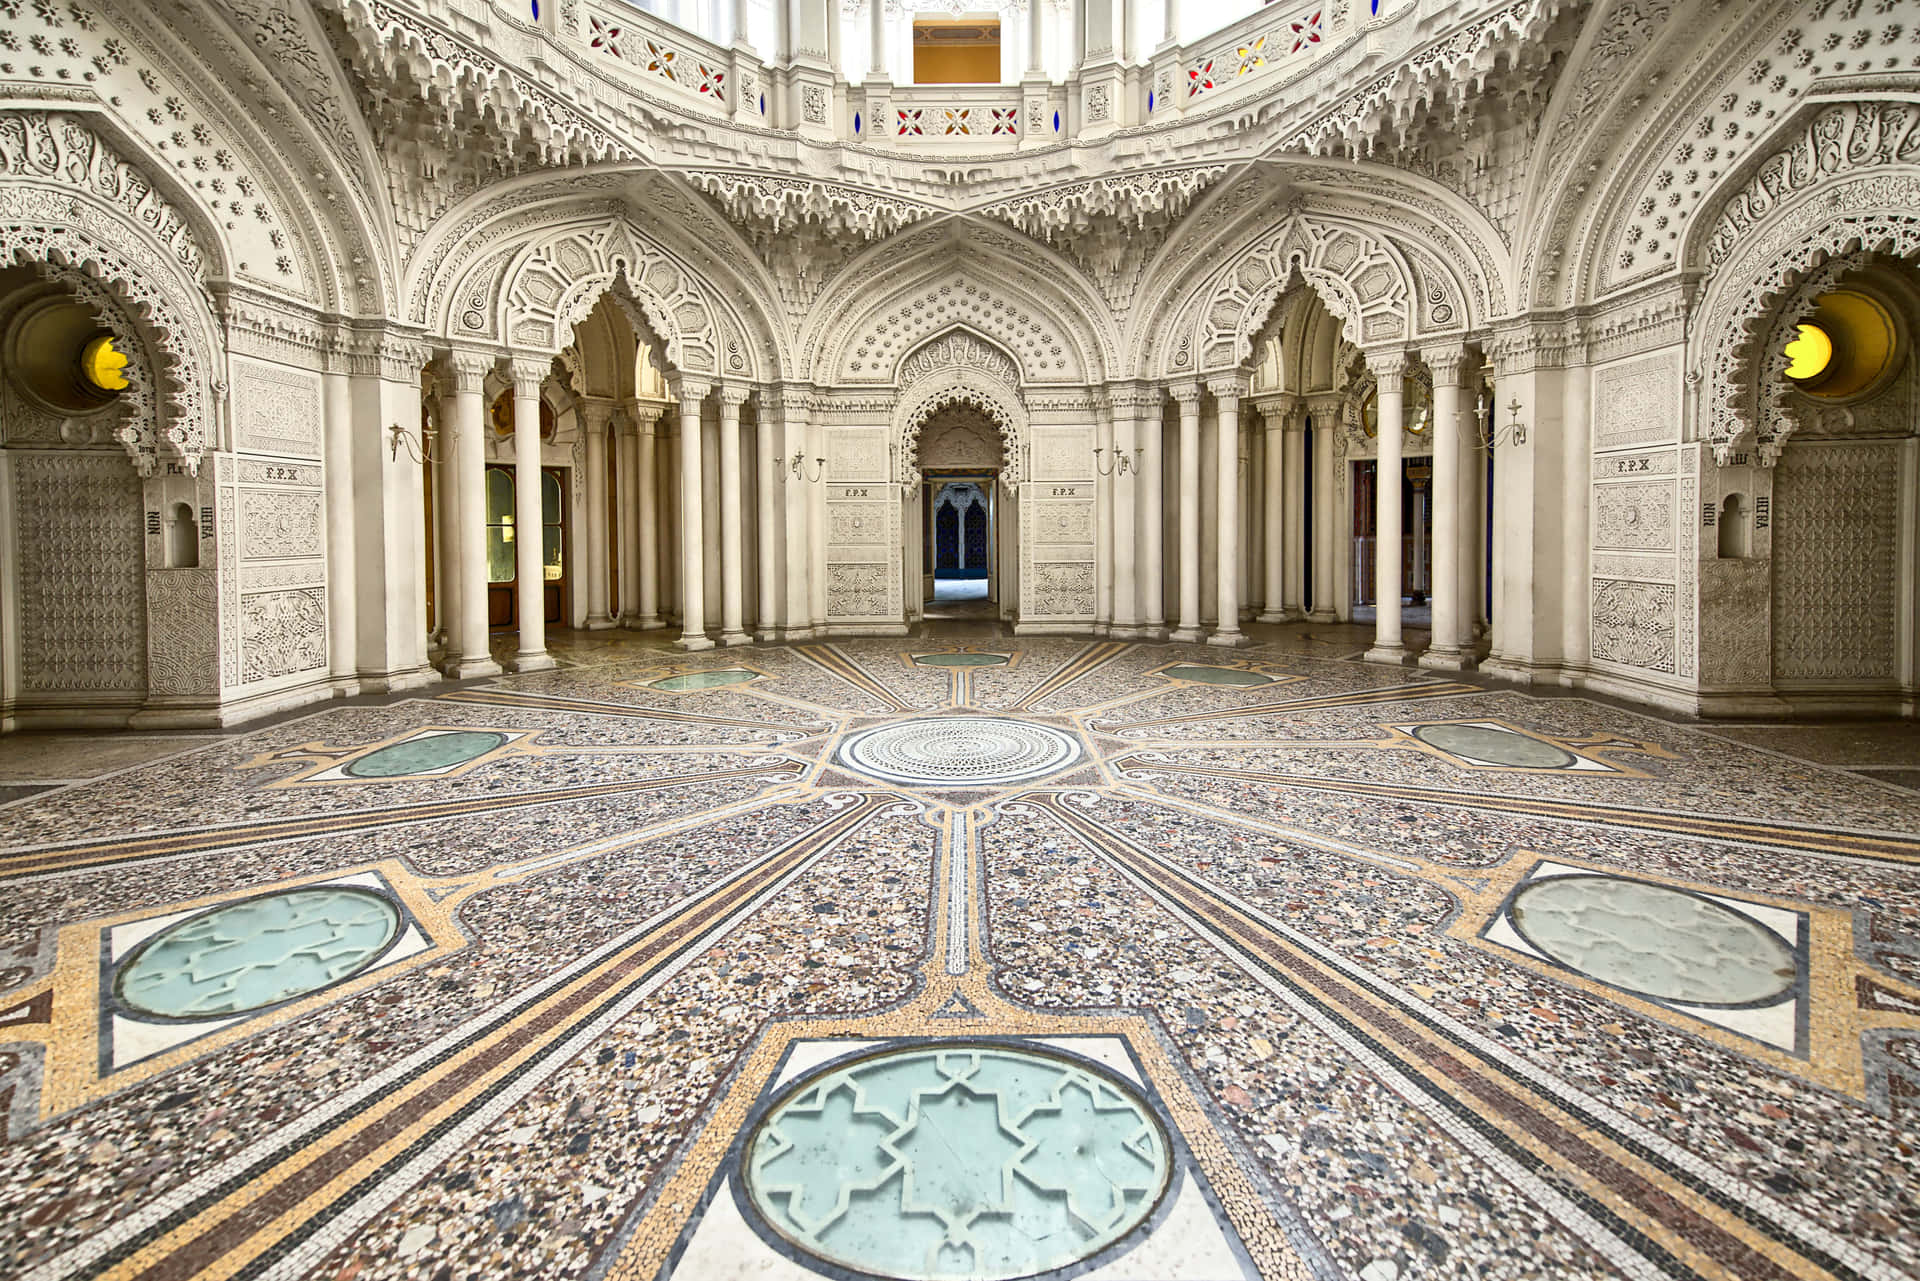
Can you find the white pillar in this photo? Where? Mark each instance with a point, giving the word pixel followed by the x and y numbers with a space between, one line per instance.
pixel 1449 647
pixel 1103 487
pixel 528 523
pixel 1036 44
pixel 1152 517
pixel 646 542
pixel 630 508
pixel 877 40
pixel 1273 415
pixel 1390 371
pixel 1576 417
pixel 473 655
pixel 342 624
pixel 1126 484
pixel 1187 395
pixel 446 522
pixel 1226 396
pixel 597 415
pixel 1172 34
pixel 732 535
pixel 1326 421
pixel 693 535
pixel 766 541
pixel 1294 595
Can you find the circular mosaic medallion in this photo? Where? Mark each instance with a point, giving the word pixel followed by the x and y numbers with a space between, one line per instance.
pixel 424 754
pixel 960 660
pixel 959 751
pixel 972 1161
pixel 258 952
pixel 1654 940
pixel 1217 675
pixel 1494 746
pixel 705 680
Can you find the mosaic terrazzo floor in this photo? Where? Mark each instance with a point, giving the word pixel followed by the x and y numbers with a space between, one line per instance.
pixel 963 958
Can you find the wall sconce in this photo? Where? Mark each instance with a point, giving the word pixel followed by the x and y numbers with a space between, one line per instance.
pixel 1120 464
pixel 419 444
pixel 1515 431
pixel 800 470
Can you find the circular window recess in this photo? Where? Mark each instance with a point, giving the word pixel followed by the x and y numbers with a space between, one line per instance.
pixel 1656 941
pixel 976 1161
pixel 258 952
pixel 1487 745
pixel 1849 347
pixel 960 660
pixel 59 356
pixel 705 680
pixel 959 751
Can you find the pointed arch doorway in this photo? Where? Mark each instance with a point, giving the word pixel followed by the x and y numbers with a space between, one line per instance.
pixel 964 519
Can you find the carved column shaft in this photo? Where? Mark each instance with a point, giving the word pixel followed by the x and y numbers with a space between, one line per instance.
pixel 732 533
pixel 1390 371
pixel 530 589
pixel 1326 422
pixel 1294 473
pixel 342 647
pixel 1190 628
pixel 596 415
pixel 646 519
pixel 693 569
pixel 1449 627
pixel 766 487
pixel 1152 517
pixel 1273 415
pixel 468 446
pixel 1227 632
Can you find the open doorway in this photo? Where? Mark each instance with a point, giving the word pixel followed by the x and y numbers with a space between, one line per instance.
pixel 959 552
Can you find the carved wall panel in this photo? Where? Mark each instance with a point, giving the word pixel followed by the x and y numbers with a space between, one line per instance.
pixel 1063 522
pixel 1063 453
pixel 182 640
pixel 1634 624
pixel 1045 352
pixel 857 524
pixel 857 453
pixel 281 524
pixel 858 591
pixel 1835 509
pixel 1061 591
pixel 83 590
pixel 283 634
pixel 276 410
pixel 1637 516
pixel 1637 402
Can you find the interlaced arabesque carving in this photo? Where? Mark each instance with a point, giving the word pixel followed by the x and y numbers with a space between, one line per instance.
pixel 1359 278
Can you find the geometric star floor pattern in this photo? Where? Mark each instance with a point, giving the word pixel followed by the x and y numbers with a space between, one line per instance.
pixel 962 958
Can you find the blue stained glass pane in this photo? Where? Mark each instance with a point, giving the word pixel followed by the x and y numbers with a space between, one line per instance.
pixel 1149 102
pixel 763 104
pixel 856 122
pixel 1056 122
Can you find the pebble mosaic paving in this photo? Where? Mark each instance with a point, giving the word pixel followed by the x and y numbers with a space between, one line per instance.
pixel 947 959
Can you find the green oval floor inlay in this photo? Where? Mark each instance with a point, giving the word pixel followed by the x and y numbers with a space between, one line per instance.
pixel 257 953
pixel 705 680
pixel 960 660
pixel 1217 676
pixel 1495 746
pixel 984 1162
pixel 1651 939
pixel 423 753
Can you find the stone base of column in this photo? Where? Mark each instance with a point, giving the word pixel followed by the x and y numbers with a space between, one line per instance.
pixel 466 669
pixel 388 682
pixel 1133 632
pixel 735 638
pixel 1229 640
pixel 1271 616
pixel 1446 659
pixel 1186 636
pixel 540 662
pixel 692 643
pixel 1323 616
pixel 788 635
pixel 600 622
pixel 1521 671
pixel 1395 654
pixel 766 636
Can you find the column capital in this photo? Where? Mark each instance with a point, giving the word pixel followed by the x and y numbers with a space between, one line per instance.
pixel 1389 367
pixel 1232 388
pixel 732 396
pixel 467 369
pixel 1447 364
pixel 1187 394
pixel 690 391
pixel 643 416
pixel 596 414
pixel 528 374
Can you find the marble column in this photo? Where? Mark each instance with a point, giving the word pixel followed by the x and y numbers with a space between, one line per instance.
pixel 1274 413
pixel 628 511
pixel 1326 512
pixel 597 416
pixel 1152 517
pixel 1389 370
pixel 1449 647
pixel 1036 45
pixel 693 536
pixel 766 542
pixel 529 567
pixel 1293 601
pixel 1126 485
pixel 472 655
pixel 1190 629
pixel 1226 396
pixel 877 38
pixel 1103 532
pixel 732 535
pixel 342 608
pixel 646 540
pixel 446 521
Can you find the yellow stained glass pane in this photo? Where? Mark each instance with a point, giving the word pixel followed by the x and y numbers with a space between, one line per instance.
pixel 102 365
pixel 1810 353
